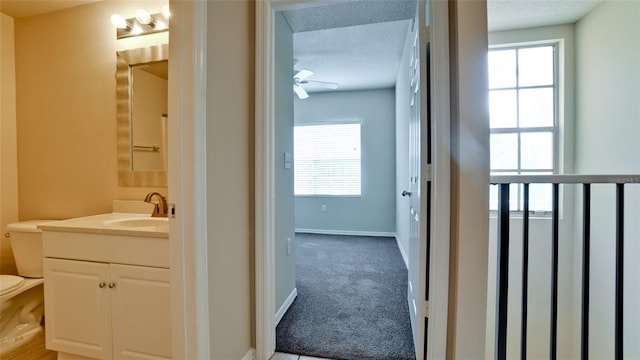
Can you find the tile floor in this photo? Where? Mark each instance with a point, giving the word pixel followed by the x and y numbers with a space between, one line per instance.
pixel 283 356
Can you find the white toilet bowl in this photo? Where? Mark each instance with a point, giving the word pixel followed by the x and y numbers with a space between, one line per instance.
pixel 22 295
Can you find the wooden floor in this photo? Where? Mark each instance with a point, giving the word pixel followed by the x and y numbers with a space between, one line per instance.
pixel 33 350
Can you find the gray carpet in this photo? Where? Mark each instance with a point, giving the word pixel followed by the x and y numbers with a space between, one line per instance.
pixel 352 300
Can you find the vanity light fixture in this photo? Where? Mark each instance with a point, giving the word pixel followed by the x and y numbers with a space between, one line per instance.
pixel 143 24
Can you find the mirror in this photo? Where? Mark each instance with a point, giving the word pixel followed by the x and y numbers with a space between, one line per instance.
pixel 141 90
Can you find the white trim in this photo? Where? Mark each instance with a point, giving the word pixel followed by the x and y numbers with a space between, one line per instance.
pixel 441 175
pixel 200 179
pixel 264 183
pixel 187 231
pixel 250 355
pixel 346 232
pixel 405 258
pixel 283 309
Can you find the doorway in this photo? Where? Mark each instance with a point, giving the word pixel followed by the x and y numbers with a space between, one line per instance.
pixel 363 61
pixel 268 157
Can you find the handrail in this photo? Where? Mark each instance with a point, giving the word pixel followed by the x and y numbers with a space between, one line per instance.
pixel 566 179
pixel 502 259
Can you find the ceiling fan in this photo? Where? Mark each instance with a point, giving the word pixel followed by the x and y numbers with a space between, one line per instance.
pixel 301 78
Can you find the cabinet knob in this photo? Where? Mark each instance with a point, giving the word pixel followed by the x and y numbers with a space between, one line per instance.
pixel 102 284
pixel 112 285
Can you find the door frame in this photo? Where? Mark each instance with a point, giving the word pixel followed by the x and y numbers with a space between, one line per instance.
pixel 438 173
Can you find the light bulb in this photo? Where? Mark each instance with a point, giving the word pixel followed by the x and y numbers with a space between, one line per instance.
pixel 119 21
pixel 143 16
pixel 137 30
pixel 165 12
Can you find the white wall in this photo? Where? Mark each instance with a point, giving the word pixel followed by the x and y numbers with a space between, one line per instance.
pixel 230 177
pixel 608 141
pixel 402 146
pixel 8 145
pixel 285 264
pixel 540 228
pixel 469 180
pixel 373 211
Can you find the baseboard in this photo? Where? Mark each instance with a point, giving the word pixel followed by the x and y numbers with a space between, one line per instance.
pixel 283 309
pixel 402 252
pixel 250 355
pixel 346 232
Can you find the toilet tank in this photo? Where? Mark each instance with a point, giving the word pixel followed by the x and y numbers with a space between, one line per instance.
pixel 26 243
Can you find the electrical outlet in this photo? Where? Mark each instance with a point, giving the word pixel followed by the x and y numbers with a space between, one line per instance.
pixel 324 208
pixel 288 246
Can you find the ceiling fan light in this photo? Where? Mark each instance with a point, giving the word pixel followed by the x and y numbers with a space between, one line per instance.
pixel 303 74
pixel 300 92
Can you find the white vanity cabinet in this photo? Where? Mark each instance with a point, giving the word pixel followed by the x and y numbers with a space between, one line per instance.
pixel 107 290
pixel 107 311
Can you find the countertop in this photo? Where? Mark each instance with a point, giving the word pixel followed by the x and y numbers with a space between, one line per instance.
pixel 111 224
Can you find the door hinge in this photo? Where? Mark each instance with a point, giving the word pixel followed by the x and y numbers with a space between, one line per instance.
pixel 425 309
pixel 428 173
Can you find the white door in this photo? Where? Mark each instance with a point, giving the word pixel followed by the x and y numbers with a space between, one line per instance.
pixel 420 183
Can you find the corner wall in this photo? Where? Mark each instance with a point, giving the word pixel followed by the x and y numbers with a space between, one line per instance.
pixel 230 116
pixel 608 142
pixel 8 146
pixel 373 211
pixel 469 179
pixel 285 263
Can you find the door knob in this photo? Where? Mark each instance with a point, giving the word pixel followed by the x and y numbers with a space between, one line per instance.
pixel 406 193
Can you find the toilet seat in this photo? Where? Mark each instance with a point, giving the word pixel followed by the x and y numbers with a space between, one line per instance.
pixel 8 283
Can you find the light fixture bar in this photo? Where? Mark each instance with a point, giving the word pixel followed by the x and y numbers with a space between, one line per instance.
pixel 143 24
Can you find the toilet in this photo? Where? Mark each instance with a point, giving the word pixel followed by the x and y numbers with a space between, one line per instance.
pixel 22 295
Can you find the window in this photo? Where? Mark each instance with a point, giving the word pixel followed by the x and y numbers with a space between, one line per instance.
pixel 523 98
pixel 327 159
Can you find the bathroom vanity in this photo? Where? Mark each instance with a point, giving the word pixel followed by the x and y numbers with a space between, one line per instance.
pixel 107 290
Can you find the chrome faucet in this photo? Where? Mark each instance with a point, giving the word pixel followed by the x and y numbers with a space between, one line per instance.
pixel 160 209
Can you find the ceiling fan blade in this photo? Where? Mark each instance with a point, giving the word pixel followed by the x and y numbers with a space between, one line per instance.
pixel 328 85
pixel 303 74
pixel 300 92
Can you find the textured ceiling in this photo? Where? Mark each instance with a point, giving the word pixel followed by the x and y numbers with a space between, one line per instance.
pixel 349 13
pixel 354 57
pixel 518 14
pixel 358 45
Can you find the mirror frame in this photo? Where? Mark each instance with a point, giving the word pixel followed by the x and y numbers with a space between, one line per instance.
pixel 125 59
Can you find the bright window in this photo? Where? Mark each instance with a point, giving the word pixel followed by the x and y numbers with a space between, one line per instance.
pixel 523 98
pixel 327 159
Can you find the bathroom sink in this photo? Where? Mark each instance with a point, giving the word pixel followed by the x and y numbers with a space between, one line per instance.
pixel 139 222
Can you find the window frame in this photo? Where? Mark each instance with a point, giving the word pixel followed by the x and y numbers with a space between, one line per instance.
pixel 518 130
pixel 329 123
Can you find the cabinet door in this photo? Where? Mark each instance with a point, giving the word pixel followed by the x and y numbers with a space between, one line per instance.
pixel 141 312
pixel 77 307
